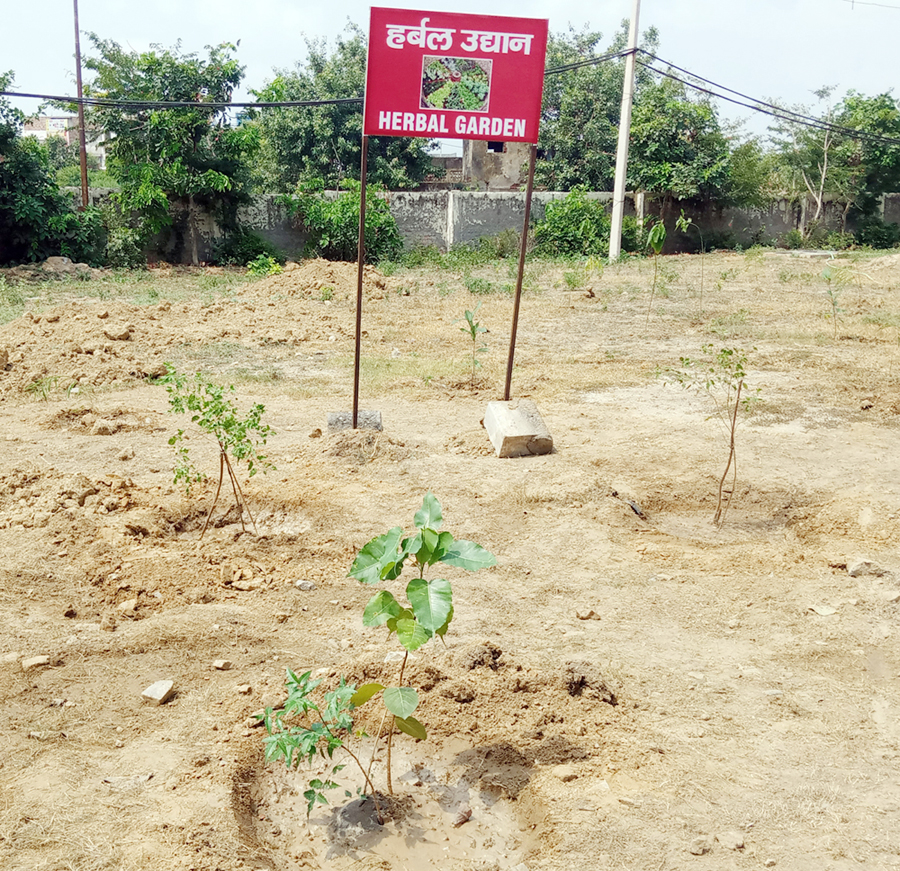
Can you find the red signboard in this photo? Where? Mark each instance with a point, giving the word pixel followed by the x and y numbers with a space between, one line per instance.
pixel 444 74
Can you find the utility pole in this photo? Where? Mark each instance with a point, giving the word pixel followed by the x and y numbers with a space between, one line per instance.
pixel 615 234
pixel 81 135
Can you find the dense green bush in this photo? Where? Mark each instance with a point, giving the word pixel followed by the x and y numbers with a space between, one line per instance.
pixel 241 246
pixel 875 233
pixel 124 249
pixel 575 225
pixel 80 236
pixel 333 222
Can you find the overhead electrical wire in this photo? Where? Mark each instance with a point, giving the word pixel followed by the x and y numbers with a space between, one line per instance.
pixel 776 111
pixel 756 105
pixel 179 104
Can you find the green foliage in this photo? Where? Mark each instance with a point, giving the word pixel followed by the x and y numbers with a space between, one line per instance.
pixel 70 177
pixel 721 375
pixel 656 239
pixel 322 144
pixel 307 730
pixel 239 246
pixel 214 411
pixel 310 727
pixel 574 225
pixel 872 230
pixel 580 110
pixel 81 236
pixel 41 387
pixel 36 219
pixel 634 238
pixel 124 249
pixel 678 148
pixel 263 265
pixel 162 157
pixel 333 222
pixel 473 330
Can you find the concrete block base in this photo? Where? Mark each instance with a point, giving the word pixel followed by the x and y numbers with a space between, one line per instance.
pixel 516 429
pixel 341 420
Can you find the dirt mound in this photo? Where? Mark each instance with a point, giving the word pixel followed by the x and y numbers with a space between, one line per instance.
pixel 320 279
pixel 51 268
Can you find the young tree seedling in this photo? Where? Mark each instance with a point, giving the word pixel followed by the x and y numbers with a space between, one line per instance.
pixel 721 376
pixel 425 614
pixel 833 278
pixel 656 238
pixel 215 413
pixel 683 224
pixel 473 330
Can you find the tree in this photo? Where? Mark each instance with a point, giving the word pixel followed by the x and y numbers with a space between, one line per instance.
pixel 814 161
pixel 162 157
pixel 875 165
pixel 580 111
pixel 323 143
pixel 678 147
pixel 36 219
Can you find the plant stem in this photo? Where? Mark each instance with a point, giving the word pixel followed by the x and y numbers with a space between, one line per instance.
pixel 391 729
pixel 652 288
pixel 218 488
pixel 719 517
pixel 369 783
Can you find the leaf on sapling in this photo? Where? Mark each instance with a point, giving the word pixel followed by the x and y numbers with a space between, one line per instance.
pixel 378 558
pixel 469 556
pixel 429 516
pixel 401 701
pixel 440 633
pixel 364 693
pixel 656 238
pixel 381 608
pixel 411 634
pixel 431 602
pixel 412 727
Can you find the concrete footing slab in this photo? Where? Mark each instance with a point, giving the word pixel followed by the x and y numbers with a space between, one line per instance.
pixel 341 420
pixel 516 429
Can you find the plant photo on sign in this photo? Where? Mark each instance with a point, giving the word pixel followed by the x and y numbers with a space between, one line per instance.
pixel 304 729
pixel 721 376
pixel 239 438
pixel 456 83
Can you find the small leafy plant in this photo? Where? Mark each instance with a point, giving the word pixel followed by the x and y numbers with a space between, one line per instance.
pixel 473 330
pixel 319 730
pixel 263 265
pixel 42 387
pixel 656 238
pixel 239 438
pixel 721 376
pixel 315 730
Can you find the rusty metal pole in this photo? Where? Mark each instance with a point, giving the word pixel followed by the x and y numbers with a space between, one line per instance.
pixel 360 258
pixel 81 134
pixel 522 247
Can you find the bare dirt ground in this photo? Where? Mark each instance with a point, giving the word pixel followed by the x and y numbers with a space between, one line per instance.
pixel 731 702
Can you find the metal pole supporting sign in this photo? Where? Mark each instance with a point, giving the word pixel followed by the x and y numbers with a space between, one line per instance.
pixel 361 259
pixel 522 248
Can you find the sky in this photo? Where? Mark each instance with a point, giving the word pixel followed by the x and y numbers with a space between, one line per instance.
pixel 782 49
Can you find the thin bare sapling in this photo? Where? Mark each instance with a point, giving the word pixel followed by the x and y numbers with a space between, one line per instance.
pixel 722 376
pixel 683 224
pixel 214 412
